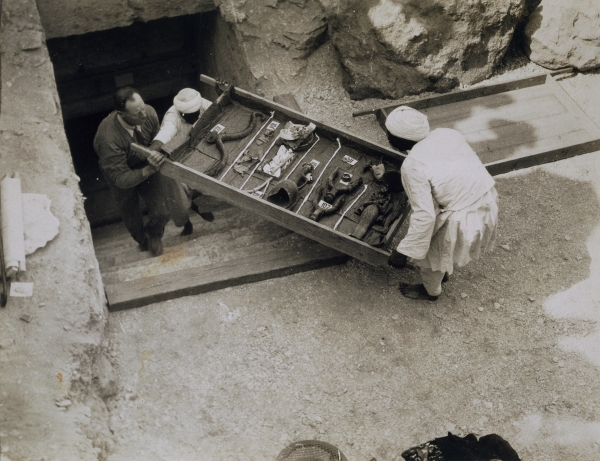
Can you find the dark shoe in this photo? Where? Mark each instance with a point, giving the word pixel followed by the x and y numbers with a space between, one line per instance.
pixel 207 216
pixel 155 246
pixel 187 229
pixel 144 245
pixel 416 292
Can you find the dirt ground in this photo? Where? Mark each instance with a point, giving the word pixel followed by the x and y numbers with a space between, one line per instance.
pixel 511 347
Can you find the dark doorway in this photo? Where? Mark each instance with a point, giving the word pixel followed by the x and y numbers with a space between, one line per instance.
pixel 158 57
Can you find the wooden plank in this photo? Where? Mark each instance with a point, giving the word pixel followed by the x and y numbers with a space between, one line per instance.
pixel 524 138
pixel 514 108
pixel 276 263
pixel 463 95
pixel 547 156
pixel 542 145
pixel 238 245
pixel 580 117
pixel 512 102
pixel 287 100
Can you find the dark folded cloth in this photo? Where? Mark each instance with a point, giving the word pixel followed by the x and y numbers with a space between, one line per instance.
pixel 490 447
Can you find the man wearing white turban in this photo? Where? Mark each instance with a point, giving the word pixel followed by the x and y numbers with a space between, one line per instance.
pixel 453 199
pixel 187 107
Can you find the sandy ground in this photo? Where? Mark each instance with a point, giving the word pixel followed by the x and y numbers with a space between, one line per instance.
pixel 511 347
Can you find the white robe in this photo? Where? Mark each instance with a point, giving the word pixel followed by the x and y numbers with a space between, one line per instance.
pixel 173 121
pixel 453 199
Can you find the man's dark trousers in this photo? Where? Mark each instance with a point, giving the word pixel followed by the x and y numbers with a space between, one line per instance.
pixel 152 191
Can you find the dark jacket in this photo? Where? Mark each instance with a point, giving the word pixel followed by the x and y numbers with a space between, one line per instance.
pixel 112 144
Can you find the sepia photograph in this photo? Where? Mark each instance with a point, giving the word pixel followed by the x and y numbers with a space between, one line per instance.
pixel 299 230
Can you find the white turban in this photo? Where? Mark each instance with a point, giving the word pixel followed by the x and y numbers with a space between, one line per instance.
pixel 188 101
pixel 407 123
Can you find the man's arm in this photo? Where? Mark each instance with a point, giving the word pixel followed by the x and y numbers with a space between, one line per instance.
pixel 422 220
pixel 113 160
pixel 168 128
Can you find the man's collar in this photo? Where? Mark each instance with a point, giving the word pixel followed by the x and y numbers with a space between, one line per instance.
pixel 127 126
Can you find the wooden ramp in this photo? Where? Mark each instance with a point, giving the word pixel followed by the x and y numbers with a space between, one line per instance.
pixel 236 248
pixel 512 125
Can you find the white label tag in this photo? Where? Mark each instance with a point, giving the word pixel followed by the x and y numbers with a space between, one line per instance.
pixel 218 128
pixel 315 163
pixel 272 126
pixel 349 160
pixel 326 206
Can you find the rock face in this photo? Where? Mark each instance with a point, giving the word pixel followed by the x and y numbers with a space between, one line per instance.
pixel 391 48
pixel 561 34
pixel 61 18
pixel 273 39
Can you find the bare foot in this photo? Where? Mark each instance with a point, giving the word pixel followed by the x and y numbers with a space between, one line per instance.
pixel 416 292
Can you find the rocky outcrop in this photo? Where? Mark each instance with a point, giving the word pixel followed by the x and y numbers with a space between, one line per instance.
pixel 61 18
pixel 273 38
pixel 392 48
pixel 561 34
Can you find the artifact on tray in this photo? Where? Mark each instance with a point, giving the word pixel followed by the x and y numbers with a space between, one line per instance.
pixel 292 139
pixel 285 192
pixel 245 162
pixel 284 157
pixel 381 209
pixel 215 136
pixel 332 196
pixel 296 136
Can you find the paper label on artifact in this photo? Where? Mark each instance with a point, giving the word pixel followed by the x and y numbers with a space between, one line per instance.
pixel 272 126
pixel 326 206
pixel 315 163
pixel 349 160
pixel 218 128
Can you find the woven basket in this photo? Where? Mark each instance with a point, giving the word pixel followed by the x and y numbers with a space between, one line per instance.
pixel 311 450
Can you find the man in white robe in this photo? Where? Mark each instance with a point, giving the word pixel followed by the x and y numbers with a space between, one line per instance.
pixel 187 108
pixel 453 199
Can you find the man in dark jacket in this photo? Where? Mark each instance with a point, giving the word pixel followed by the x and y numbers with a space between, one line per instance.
pixel 128 176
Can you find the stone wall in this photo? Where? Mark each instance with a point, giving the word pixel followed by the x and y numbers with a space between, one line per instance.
pixel 561 34
pixel 61 18
pixel 58 354
pixel 395 48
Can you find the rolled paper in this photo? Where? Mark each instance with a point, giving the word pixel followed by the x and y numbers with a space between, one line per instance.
pixel 13 239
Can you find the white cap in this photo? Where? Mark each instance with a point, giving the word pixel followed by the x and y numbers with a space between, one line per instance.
pixel 407 123
pixel 188 101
